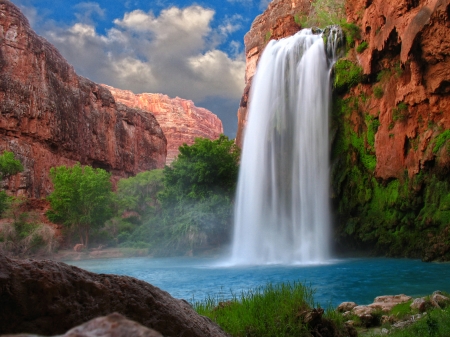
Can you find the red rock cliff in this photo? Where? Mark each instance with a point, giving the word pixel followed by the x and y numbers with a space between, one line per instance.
pixel 180 119
pixel 51 116
pixel 412 38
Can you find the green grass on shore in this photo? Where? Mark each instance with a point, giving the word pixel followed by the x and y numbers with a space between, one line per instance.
pixel 271 310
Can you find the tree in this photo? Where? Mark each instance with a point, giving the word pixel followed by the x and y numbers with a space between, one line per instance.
pixel 205 168
pixel 81 199
pixel 139 193
pixel 198 189
pixel 9 166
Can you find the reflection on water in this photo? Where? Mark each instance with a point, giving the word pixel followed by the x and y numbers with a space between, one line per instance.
pixel 358 280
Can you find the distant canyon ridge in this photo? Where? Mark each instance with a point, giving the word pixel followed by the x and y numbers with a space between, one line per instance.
pixel 51 116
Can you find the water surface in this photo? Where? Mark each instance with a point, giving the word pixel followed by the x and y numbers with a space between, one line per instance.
pixel 358 280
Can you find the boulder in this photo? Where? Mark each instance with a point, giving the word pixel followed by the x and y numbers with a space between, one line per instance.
pixel 420 304
pixel 114 325
pixel 346 306
pixel 387 302
pixel 438 300
pixel 47 297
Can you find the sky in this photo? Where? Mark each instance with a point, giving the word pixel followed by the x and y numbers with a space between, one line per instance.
pixel 193 50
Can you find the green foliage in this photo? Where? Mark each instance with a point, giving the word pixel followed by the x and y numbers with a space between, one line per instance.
pixel 346 75
pixel 81 198
pixel 435 324
pixel 323 13
pixel 441 140
pixel 9 165
pixel 383 75
pixel 352 33
pixel 22 234
pixel 205 168
pixel 400 113
pixel 361 47
pixel 267 36
pixel 402 310
pixel 273 310
pixel 140 193
pixel 187 207
pixel 378 91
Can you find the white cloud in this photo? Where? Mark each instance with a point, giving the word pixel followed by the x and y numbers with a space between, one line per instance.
pixel 86 10
pixel 174 53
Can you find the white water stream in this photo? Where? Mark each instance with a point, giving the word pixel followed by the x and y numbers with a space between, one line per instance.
pixel 282 212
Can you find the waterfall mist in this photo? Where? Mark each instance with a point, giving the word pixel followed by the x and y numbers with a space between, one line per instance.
pixel 282 212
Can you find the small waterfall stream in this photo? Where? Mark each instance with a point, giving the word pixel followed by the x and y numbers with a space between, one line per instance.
pixel 282 210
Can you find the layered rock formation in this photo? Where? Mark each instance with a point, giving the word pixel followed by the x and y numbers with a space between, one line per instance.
pixel 180 119
pixel 47 297
pixel 50 116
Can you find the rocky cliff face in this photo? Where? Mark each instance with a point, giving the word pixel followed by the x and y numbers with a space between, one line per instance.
pixel 180 120
pixel 51 116
pixel 391 131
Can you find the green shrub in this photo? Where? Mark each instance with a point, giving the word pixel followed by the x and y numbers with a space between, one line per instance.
pixel 378 91
pixel 352 33
pixel 362 46
pixel 346 75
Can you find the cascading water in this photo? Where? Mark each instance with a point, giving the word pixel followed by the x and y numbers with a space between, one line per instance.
pixel 282 203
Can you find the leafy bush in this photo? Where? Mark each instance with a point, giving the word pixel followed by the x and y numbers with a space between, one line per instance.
pixel 81 198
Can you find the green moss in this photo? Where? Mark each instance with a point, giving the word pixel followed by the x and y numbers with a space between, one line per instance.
pixel 361 47
pixel 378 91
pixel 267 36
pixel 441 140
pixel 352 32
pixel 346 75
pixel 400 113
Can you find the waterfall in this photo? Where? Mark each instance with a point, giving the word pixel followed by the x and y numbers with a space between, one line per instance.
pixel 282 212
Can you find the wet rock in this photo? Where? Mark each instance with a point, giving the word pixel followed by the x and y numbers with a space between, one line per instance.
pixel 48 298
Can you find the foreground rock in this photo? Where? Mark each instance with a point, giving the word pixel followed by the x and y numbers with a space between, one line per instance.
pixel 50 116
pixel 113 325
pixel 47 298
pixel 180 120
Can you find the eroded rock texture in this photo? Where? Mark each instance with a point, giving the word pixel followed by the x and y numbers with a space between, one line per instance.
pixel 412 38
pixel 47 297
pixel 180 119
pixel 50 116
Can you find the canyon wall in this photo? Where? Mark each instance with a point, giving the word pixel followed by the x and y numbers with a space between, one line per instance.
pixel 390 124
pixel 180 120
pixel 50 116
